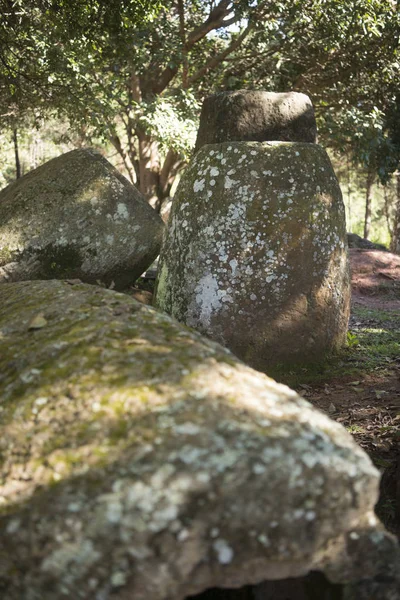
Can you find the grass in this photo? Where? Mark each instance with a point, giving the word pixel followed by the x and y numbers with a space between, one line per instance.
pixel 372 343
pixel 355 429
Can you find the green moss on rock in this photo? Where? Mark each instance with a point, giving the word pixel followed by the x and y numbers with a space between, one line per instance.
pixel 135 450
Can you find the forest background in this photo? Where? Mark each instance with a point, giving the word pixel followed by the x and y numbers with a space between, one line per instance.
pixel 129 76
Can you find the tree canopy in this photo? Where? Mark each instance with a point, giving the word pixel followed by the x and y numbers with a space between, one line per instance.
pixel 134 72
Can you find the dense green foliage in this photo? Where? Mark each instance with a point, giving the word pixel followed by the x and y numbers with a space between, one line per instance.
pixel 135 72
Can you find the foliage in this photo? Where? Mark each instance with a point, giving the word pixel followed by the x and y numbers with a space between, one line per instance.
pixel 133 72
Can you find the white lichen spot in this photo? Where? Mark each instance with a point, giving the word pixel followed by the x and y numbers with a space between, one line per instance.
pixel 114 511
pixel 274 524
pixel 118 579
pixel 110 240
pixel 122 211
pixel 202 476
pixel 212 182
pixel 214 172
pixel 233 265
pixel 206 298
pixel 188 428
pixel 264 540
pixel 253 297
pixel 229 182
pixel 13 526
pixel 198 185
pixel 41 401
pixel 224 551
pixel 258 469
pixel 182 535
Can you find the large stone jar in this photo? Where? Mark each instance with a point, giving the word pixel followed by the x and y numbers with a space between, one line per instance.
pixel 255 252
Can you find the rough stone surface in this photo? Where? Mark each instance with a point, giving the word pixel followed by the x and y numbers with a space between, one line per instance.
pixel 255 252
pixel 356 241
pixel 76 216
pixel 256 116
pixel 142 461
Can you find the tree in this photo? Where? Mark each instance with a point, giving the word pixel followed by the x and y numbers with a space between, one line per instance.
pixel 135 72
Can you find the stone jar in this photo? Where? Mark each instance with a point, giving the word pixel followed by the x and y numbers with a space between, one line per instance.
pixel 255 254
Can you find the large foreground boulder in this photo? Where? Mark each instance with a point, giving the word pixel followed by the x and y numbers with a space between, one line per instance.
pixel 258 116
pixel 76 217
pixel 141 461
pixel 255 252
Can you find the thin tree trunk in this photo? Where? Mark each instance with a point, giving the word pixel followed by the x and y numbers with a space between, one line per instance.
pixel 395 241
pixel 116 142
pixel 16 150
pixel 149 166
pixel 368 202
pixel 386 209
pixel 349 225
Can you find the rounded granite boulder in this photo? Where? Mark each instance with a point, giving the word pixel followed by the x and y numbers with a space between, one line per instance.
pixel 76 216
pixel 255 253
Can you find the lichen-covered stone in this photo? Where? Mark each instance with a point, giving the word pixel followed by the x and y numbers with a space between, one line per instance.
pixel 140 460
pixel 255 252
pixel 246 115
pixel 76 217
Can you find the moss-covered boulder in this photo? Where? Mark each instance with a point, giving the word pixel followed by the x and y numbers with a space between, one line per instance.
pixel 255 115
pixel 140 460
pixel 255 252
pixel 76 217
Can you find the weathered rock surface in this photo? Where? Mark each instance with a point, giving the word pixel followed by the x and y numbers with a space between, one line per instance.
pixel 256 116
pixel 356 241
pixel 140 460
pixel 76 217
pixel 255 252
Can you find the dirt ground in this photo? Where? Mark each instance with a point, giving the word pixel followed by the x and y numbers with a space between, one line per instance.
pixel 368 404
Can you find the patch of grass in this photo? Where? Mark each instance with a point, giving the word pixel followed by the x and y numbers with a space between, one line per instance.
pixel 372 343
pixel 355 429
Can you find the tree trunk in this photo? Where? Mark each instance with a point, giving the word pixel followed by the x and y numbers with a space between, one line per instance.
pixel 368 202
pixel 395 241
pixel 16 150
pixel 149 170
pixel 349 224
pixel 386 209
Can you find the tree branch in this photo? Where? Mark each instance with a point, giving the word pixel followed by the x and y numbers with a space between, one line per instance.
pixel 182 31
pixel 216 60
pixel 214 21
